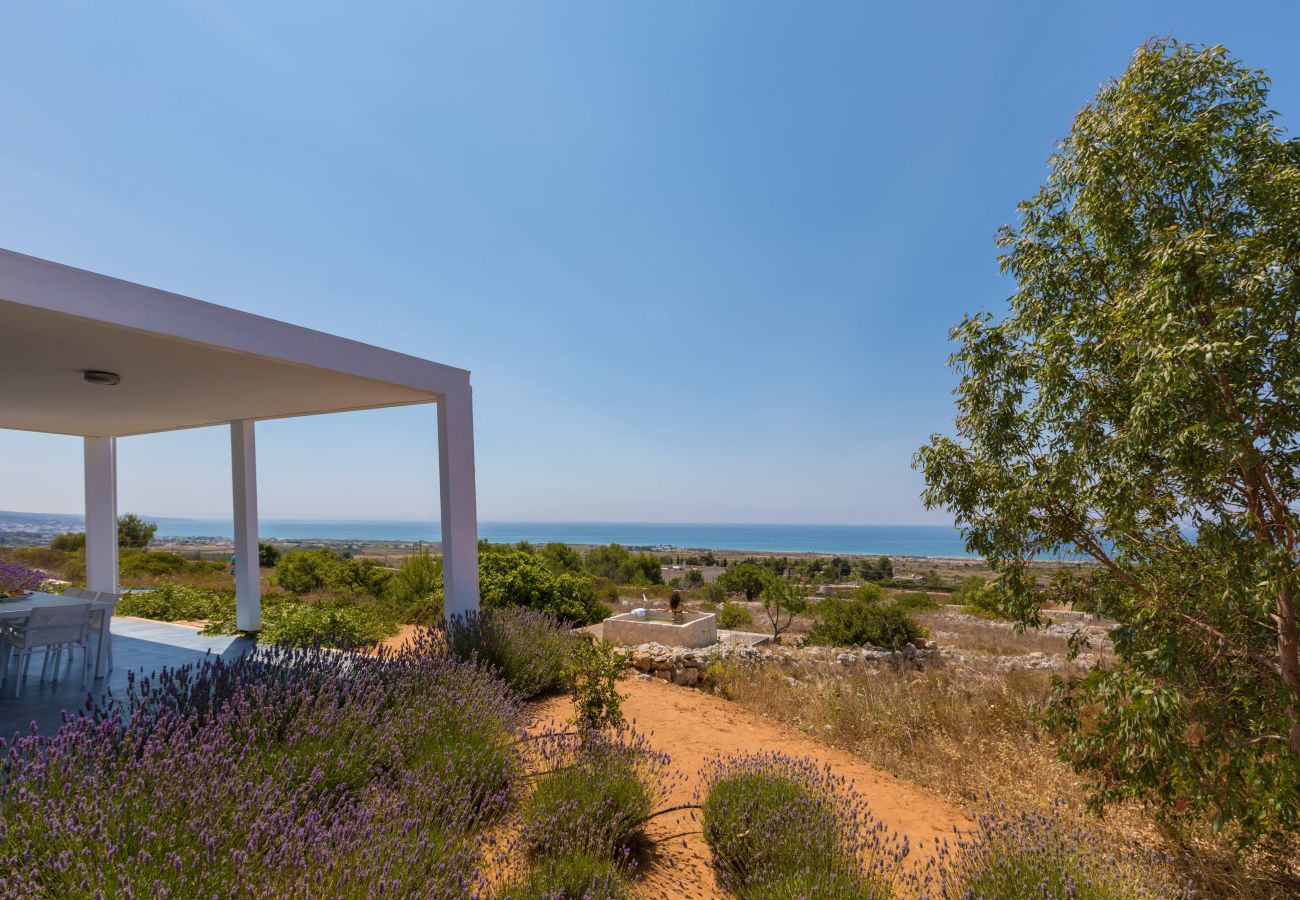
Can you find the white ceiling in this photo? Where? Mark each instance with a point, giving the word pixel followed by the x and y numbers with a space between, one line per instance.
pixel 166 383
pixel 183 363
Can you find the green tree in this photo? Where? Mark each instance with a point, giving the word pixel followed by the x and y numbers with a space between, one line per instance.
pixel 1140 406
pixel 523 579
pixel 608 561
pixel 745 578
pixel 562 558
pixel 783 599
pixel 133 531
pixel 642 568
pixel 69 541
pixel 267 555
pixel 304 571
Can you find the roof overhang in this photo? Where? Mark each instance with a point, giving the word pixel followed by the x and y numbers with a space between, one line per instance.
pixel 183 363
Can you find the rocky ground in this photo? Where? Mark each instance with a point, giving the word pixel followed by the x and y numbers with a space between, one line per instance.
pixel 956 639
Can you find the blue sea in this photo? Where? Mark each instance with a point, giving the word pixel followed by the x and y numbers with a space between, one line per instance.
pixel 887 540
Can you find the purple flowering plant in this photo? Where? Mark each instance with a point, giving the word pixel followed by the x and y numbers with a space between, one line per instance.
pixel 293 771
pixel 779 826
pixel 15 576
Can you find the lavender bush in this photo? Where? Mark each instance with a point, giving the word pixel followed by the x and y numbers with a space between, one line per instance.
pixel 782 827
pixel 1035 855
pixel 595 792
pixel 574 876
pixel 290 772
pixel 528 648
pixel 15 576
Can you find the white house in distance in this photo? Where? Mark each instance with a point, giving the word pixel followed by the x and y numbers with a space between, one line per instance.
pixel 100 358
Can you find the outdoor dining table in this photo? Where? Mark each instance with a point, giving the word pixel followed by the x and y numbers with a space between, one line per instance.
pixel 19 608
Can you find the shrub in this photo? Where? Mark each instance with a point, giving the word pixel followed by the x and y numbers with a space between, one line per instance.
pixel 1032 854
pixel 773 822
pixel 304 571
pixel 869 593
pixel 733 615
pixel 592 678
pixel 745 578
pixel 267 555
pixel 529 649
pixel 517 578
pixel 178 603
pixel 69 541
pixel 844 623
pixel 329 625
pixel 596 792
pixel 37 557
pixel 573 876
pixel 416 589
pixel 916 601
pixel 288 772
pixel 163 562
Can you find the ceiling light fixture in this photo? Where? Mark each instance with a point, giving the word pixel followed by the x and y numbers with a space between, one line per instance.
pixel 96 377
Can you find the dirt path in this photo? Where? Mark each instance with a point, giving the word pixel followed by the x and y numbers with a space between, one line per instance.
pixel 692 726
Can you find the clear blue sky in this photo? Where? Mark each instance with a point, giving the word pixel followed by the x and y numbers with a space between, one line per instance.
pixel 700 257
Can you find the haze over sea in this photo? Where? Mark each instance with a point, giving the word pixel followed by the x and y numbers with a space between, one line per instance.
pixel 889 540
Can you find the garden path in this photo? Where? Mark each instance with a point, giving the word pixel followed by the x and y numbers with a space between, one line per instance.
pixel 693 726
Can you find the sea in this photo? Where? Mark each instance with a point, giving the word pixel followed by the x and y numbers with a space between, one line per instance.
pixel 885 540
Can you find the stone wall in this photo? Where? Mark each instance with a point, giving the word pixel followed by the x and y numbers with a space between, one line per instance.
pixel 686 667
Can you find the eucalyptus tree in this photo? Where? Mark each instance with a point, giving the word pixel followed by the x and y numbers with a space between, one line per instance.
pixel 1139 405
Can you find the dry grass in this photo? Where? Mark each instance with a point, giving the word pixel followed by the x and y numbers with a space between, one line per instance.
pixel 988 638
pixel 969 736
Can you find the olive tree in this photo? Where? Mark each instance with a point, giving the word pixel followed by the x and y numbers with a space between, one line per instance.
pixel 1139 405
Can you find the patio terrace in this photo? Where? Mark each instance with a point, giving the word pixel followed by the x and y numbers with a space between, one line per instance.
pixel 139 646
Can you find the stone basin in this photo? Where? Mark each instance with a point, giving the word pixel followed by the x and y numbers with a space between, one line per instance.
pixel 696 629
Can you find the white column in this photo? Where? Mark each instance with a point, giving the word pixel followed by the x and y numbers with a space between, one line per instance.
pixel 101 514
pixel 459 513
pixel 243 470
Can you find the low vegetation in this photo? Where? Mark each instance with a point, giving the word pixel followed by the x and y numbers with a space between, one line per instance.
pixel 780 827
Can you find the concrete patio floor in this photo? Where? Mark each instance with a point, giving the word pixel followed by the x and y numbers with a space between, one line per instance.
pixel 139 646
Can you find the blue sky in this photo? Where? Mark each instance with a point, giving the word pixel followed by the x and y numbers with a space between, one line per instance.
pixel 700 257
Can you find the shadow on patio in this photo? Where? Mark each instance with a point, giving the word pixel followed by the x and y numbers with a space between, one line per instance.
pixel 139 646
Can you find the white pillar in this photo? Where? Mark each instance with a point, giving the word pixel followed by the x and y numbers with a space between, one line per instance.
pixel 101 514
pixel 248 582
pixel 459 513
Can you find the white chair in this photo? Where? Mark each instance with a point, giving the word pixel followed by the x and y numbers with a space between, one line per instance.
pixel 99 622
pixel 98 618
pixel 48 628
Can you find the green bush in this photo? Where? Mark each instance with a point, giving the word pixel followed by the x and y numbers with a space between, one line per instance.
pixel 913 601
pixel 783 828
pixel 178 603
pixel 733 615
pixel 572 876
pixel 869 593
pixel 69 541
pixel 304 571
pixel 163 562
pixel 844 623
pixel 592 679
pixel 330 625
pixel 44 558
pixel 518 578
pixel 416 589
pixel 596 797
pixel 529 649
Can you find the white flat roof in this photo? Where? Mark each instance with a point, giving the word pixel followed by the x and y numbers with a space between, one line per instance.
pixel 183 363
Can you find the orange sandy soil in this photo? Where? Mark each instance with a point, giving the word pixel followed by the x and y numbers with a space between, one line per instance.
pixel 692 727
